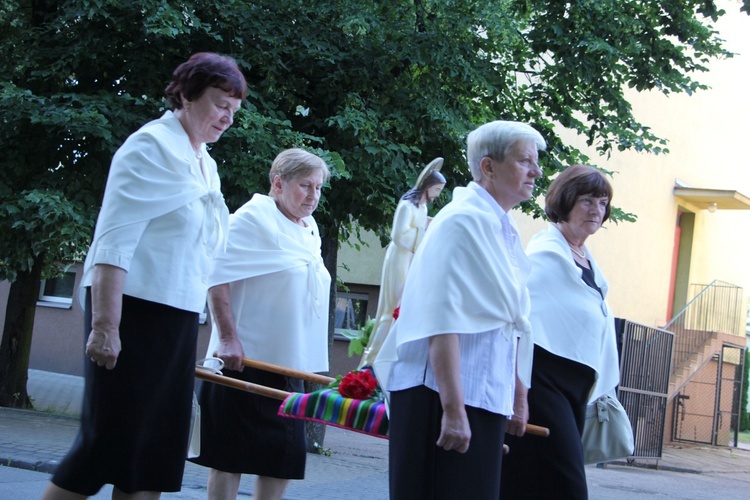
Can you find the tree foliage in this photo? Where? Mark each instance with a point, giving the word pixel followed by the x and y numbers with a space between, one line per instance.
pixel 377 88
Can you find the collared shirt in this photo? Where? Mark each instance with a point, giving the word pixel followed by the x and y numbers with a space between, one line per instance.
pixel 487 357
pixel 279 287
pixel 162 220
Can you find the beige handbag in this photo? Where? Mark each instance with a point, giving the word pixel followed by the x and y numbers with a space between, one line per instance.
pixel 607 433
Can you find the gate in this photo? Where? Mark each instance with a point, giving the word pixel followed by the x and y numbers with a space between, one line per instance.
pixel 707 409
pixel 646 354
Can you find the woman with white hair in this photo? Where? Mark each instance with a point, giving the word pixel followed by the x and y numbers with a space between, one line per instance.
pixel 269 301
pixel 449 363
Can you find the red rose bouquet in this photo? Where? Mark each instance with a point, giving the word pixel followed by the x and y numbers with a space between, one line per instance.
pixel 357 385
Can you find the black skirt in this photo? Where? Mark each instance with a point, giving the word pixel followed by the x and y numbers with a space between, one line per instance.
pixel 418 468
pixel 551 467
pixel 241 432
pixel 135 418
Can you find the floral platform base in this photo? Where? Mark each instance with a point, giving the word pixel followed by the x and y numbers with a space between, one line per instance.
pixel 365 412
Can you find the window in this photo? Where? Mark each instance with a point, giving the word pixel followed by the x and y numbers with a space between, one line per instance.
pixel 351 312
pixel 58 292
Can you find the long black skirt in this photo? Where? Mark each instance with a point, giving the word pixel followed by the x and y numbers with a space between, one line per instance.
pixel 135 418
pixel 551 467
pixel 241 432
pixel 418 468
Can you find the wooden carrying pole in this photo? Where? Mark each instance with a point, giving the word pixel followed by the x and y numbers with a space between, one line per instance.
pixel 203 374
pixel 240 384
pixel 282 370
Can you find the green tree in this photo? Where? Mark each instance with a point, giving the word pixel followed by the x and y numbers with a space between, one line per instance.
pixel 41 229
pixel 377 88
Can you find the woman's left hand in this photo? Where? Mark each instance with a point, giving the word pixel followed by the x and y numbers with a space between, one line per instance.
pixel 231 352
pixel 517 423
pixel 103 348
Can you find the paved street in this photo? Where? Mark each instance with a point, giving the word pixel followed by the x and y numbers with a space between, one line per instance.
pixel 356 466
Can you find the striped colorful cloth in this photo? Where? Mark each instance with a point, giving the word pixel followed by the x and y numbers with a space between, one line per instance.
pixel 329 407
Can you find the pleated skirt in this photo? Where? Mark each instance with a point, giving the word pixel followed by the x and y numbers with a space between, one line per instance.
pixel 241 432
pixel 135 418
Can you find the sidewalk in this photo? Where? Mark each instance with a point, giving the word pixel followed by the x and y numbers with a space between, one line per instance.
pixel 356 465
pixel 37 440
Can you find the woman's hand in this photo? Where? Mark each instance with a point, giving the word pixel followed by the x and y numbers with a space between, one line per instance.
pixel 103 345
pixel 455 433
pixel 230 348
pixel 517 424
pixel 231 352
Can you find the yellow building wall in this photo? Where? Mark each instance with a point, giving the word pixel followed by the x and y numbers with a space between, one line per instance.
pixel 707 134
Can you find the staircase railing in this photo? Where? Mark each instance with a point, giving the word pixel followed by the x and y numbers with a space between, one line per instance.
pixel 717 307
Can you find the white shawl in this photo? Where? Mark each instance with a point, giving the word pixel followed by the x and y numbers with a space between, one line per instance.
pixel 461 281
pixel 151 176
pixel 280 287
pixel 263 241
pixel 568 317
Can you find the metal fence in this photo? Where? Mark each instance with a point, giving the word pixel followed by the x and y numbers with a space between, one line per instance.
pixel 707 408
pixel 645 355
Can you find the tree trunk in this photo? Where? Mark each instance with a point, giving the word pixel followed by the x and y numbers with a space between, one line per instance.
pixel 330 248
pixel 15 348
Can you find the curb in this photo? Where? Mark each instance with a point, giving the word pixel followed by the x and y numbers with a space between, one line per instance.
pixel 46 466
pixel 656 466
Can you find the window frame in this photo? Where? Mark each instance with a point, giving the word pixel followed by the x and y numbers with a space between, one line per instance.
pixel 57 301
pixel 337 332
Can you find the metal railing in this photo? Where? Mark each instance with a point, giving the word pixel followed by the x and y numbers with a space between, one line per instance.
pixel 717 307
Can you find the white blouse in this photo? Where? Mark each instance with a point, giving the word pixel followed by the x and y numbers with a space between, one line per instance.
pixel 468 278
pixel 279 287
pixel 161 219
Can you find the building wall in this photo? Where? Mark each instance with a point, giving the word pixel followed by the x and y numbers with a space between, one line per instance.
pixel 58 341
pixel 363 265
pixel 705 132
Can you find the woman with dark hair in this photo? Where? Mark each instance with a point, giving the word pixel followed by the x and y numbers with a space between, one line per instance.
pixel 409 225
pixel 145 279
pixel 575 351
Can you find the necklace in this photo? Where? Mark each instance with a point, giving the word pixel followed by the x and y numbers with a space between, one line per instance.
pixel 582 255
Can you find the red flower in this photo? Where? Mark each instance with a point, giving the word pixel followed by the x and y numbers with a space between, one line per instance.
pixel 357 385
pixel 396 312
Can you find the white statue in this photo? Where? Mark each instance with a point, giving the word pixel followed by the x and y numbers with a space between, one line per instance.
pixel 409 225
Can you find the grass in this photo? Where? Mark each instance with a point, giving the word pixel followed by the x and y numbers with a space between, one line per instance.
pixel 744 437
